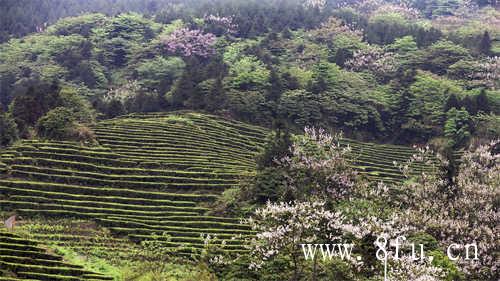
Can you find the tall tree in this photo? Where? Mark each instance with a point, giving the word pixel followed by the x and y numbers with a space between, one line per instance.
pixel 485 44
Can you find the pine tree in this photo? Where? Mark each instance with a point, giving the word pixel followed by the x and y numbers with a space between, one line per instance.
pixel 482 102
pixel 485 44
pixel 470 105
pixel 276 87
pixel 452 102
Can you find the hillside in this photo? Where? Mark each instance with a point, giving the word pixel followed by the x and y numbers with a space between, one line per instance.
pixel 23 259
pixel 153 174
pixel 213 140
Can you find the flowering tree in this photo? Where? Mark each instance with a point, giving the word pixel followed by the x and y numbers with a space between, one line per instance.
pixel 220 25
pixel 334 27
pixel 123 93
pixel 407 269
pixel 462 211
pixel 319 4
pixel 376 7
pixel 189 43
pixel 318 166
pixel 318 178
pixel 373 59
pixel 489 72
pixel 282 227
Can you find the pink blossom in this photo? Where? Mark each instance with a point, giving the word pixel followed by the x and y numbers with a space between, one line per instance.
pixel 188 43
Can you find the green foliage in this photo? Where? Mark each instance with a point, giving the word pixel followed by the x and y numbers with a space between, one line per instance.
pixel 452 273
pixel 457 126
pixel 384 28
pixel 57 124
pixel 80 107
pixel 486 127
pixel 430 243
pixel 159 73
pixel 8 130
pixel 293 67
pixel 301 107
pixel 277 146
pixel 248 73
pixel 429 96
pixel 441 55
pixel 32 100
pixel 404 45
pixel 246 104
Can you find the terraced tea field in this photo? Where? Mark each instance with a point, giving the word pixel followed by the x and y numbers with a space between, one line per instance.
pixel 152 177
pixel 26 260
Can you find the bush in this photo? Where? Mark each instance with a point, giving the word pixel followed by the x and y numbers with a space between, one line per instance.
pixel 84 134
pixel 457 126
pixel 8 130
pixel 57 124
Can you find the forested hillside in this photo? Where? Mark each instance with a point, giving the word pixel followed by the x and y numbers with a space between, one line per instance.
pixel 376 70
pixel 212 139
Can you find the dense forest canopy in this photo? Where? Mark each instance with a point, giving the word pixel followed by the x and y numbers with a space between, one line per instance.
pixel 391 71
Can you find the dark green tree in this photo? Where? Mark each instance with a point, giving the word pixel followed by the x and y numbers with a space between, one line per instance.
pixel 275 88
pixel 482 102
pixel 32 99
pixel 485 44
pixel 470 105
pixel 457 126
pixel 115 108
pixel 8 130
pixel 277 145
pixel 452 102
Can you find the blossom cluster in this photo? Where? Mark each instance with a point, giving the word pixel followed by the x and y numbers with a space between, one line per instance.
pixel 375 7
pixel 373 59
pixel 319 155
pixel 334 27
pixel 123 93
pixel 316 4
pixel 225 23
pixel 463 210
pixel 489 72
pixel 281 227
pixel 407 269
pixel 188 42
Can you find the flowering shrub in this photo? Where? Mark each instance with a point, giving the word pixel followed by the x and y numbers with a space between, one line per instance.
pixel 407 269
pixel 188 43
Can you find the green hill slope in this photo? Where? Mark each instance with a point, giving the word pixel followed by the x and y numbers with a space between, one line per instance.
pixel 154 174
pixel 23 259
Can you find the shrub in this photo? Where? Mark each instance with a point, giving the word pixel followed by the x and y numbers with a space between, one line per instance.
pixel 457 126
pixel 57 124
pixel 8 130
pixel 84 134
